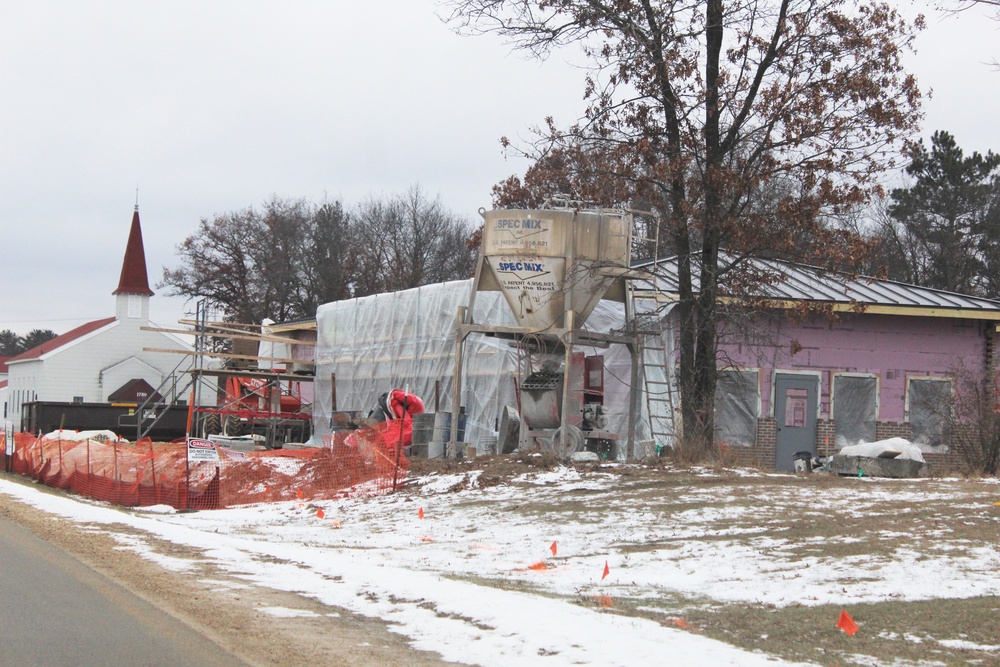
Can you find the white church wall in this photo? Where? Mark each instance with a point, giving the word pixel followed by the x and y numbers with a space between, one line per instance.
pixel 113 378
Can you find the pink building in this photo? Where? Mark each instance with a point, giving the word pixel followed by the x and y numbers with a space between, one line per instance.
pixel 878 359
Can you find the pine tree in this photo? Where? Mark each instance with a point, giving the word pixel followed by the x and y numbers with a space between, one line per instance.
pixel 951 215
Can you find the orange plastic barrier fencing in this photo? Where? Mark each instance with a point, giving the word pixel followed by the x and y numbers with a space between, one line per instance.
pixel 351 463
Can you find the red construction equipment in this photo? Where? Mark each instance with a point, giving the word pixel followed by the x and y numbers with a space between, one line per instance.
pixel 268 403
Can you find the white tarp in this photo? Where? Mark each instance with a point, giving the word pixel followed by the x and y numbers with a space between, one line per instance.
pixel 406 340
pixel 80 436
pixel 905 449
pixel 855 407
pixel 737 406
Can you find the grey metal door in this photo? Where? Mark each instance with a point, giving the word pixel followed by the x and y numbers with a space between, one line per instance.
pixel 795 413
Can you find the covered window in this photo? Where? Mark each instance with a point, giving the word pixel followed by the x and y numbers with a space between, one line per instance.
pixel 737 406
pixel 928 409
pixel 855 408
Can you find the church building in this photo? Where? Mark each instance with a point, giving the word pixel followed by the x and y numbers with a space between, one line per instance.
pixel 105 360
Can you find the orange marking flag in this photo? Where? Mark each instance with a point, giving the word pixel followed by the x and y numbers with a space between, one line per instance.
pixel 553 548
pixel 607 571
pixel 320 513
pixel 421 513
pixel 847 624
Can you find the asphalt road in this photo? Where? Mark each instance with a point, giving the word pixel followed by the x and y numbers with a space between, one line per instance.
pixel 55 611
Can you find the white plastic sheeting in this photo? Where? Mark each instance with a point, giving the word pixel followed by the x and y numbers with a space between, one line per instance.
pixel 855 407
pixel 80 436
pixel 407 340
pixel 928 404
pixel 900 447
pixel 737 406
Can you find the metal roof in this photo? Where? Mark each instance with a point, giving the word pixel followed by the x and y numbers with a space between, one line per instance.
pixel 787 281
pixel 60 341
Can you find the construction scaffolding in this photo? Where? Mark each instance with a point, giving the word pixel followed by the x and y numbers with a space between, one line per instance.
pixel 243 393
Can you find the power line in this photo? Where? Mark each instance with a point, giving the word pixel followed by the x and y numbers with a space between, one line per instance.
pixel 43 320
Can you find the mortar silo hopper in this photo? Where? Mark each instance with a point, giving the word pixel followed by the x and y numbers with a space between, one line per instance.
pixel 548 263
pixel 552 266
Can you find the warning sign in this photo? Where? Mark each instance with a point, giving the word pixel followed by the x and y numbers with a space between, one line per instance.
pixel 201 450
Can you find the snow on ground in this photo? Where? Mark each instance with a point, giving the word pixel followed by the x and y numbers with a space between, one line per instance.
pixel 428 577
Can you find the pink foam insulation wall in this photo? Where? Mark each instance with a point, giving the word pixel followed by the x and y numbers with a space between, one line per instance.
pixel 890 347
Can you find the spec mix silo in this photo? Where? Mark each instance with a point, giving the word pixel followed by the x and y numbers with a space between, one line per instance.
pixel 546 262
pixel 553 267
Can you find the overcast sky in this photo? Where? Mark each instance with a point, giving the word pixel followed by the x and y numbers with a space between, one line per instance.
pixel 212 106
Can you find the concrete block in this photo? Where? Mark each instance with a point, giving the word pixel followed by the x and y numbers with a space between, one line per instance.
pixel 871 467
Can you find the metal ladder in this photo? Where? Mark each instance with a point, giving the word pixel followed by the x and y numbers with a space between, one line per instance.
pixel 149 413
pixel 645 309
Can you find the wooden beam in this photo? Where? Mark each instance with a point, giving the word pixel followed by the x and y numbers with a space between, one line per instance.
pixel 222 324
pixel 263 375
pixel 879 309
pixel 923 311
pixel 259 338
pixel 226 355
pixel 233 330
pixel 305 325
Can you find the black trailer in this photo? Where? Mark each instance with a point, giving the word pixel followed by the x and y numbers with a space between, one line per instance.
pixel 122 418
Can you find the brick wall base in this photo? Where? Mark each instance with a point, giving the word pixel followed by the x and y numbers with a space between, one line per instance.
pixel 762 455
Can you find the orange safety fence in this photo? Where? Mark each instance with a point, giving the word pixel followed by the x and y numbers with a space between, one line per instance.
pixel 364 462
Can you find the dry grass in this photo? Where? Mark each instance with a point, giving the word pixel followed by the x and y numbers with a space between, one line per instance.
pixel 921 516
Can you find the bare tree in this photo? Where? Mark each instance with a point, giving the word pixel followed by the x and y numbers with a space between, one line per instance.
pixel 894 254
pixel 285 259
pixel 371 247
pixel 964 5
pixel 286 227
pixel 246 262
pixel 961 6
pixel 327 267
pixel 410 240
pixel 703 106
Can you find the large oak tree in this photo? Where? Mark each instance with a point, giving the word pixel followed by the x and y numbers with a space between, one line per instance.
pixel 743 125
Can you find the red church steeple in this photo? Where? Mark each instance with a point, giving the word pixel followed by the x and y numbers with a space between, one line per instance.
pixel 133 279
